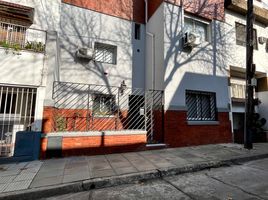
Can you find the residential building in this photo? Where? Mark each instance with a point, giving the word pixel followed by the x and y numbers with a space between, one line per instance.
pixel 112 76
pixel 236 29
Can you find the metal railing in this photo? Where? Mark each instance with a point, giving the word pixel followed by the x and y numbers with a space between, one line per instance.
pixel 82 107
pixel 17 108
pixel 238 91
pixel 20 37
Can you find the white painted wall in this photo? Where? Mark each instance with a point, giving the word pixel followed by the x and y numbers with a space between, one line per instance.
pixel 263 107
pixel 238 58
pixel 81 28
pixel 203 69
pixel 138 59
pixel 155 50
pixel 23 69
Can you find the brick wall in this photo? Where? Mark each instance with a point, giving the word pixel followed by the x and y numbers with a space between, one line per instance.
pixel 81 120
pixel 178 133
pixel 133 10
pixel 209 9
pixel 94 145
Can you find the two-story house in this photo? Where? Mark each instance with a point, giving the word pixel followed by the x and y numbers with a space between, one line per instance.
pixel 115 75
pixel 235 23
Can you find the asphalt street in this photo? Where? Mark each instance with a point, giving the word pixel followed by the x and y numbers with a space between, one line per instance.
pixel 245 181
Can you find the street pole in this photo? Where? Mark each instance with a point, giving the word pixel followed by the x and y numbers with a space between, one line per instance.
pixel 250 71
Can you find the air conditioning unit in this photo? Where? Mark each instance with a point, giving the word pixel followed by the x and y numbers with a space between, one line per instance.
pixel 191 39
pixel 86 53
pixel 262 40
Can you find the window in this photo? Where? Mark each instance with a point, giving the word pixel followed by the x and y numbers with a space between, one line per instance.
pixel 137 31
pixel 201 106
pixel 12 34
pixel 241 35
pixel 191 25
pixel 103 104
pixel 8 103
pixel 105 53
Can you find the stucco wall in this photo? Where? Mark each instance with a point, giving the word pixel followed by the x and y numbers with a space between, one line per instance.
pixel 203 68
pixel 238 58
pixel 82 28
pixel 155 50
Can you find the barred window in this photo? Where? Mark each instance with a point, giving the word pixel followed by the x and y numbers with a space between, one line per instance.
pixel 105 53
pixel 201 106
pixel 241 35
pixel 12 34
pixel 103 104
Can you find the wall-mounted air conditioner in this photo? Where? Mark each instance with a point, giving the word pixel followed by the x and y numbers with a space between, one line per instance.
pixel 262 40
pixel 191 39
pixel 86 53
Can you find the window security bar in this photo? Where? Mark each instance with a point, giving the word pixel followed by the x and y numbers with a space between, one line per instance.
pixel 20 37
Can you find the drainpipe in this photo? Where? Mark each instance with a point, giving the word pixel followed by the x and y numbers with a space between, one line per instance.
pixel 153 44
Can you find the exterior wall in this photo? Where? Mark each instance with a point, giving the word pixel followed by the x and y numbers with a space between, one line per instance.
pixel 98 144
pixel 203 69
pixel 155 51
pixel 23 69
pixel 132 10
pixel 238 58
pixel 263 107
pixel 27 68
pixel 81 27
pixel 81 120
pixel 210 9
pixel 179 133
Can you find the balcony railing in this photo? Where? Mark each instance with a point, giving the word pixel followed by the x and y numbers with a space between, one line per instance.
pixel 20 37
pixel 238 91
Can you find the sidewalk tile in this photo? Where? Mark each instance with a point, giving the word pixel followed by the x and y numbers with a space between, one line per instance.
pixel 24 176
pixel 20 185
pixel 46 181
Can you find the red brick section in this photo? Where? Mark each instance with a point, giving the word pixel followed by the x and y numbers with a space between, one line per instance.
pixel 133 10
pixel 95 145
pixel 80 120
pixel 209 9
pixel 178 133
pixel 103 145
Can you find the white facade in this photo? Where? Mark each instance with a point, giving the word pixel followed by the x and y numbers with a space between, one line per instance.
pixel 67 29
pixel 202 69
pixel 238 59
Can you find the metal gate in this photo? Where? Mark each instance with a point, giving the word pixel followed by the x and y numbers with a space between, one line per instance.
pixel 83 107
pixel 17 108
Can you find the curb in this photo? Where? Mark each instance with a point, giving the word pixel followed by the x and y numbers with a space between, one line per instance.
pixel 96 183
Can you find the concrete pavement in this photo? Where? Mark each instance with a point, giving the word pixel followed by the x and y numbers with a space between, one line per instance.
pixel 239 182
pixel 58 176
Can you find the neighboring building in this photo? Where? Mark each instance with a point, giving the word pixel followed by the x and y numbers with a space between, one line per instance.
pixel 113 76
pixel 236 30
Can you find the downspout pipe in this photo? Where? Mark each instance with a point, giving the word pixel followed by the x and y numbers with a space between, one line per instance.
pixel 153 44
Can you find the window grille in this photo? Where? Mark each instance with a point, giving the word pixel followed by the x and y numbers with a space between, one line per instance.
pixel 103 105
pixel 105 53
pixel 201 106
pixel 12 34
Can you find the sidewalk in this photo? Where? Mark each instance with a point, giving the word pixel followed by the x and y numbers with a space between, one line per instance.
pixel 32 180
